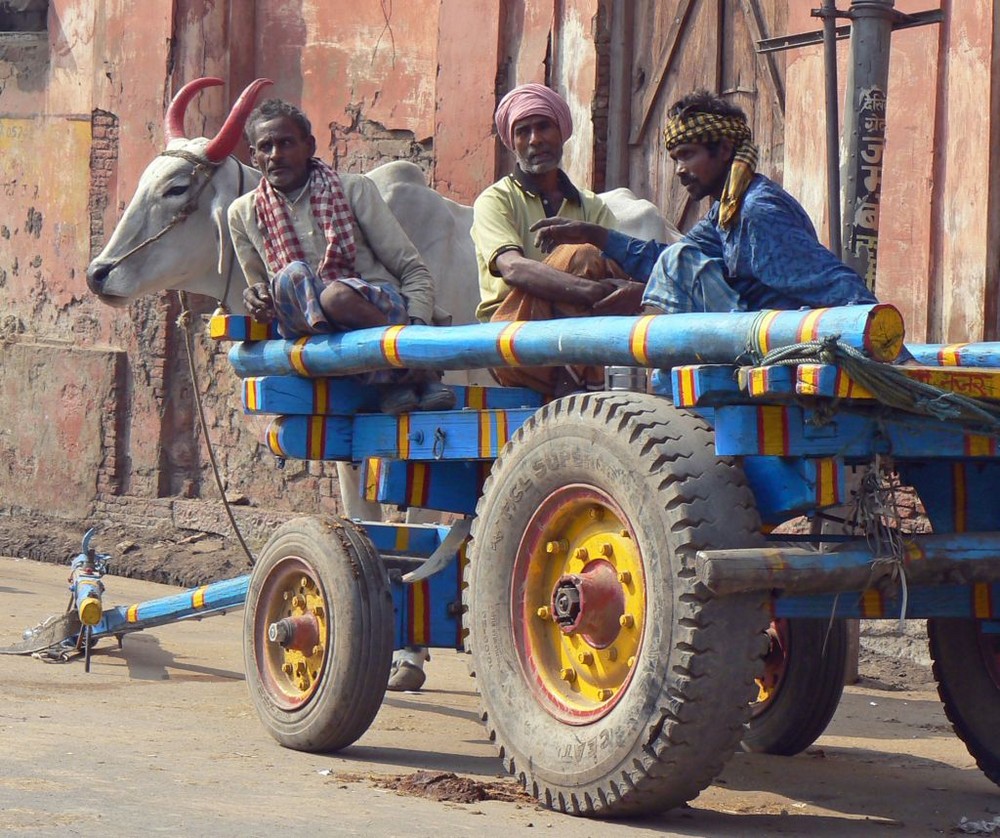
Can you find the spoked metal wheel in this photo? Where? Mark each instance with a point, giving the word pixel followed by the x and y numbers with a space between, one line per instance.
pixel 803 680
pixel 966 655
pixel 611 680
pixel 318 634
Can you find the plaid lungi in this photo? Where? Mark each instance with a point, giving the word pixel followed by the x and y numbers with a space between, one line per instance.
pixel 296 290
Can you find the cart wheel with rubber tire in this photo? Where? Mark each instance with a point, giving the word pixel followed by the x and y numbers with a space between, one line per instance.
pixel 318 634
pixel 966 659
pixel 802 684
pixel 612 681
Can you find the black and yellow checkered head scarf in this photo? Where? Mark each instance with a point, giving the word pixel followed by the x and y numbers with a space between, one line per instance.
pixel 703 128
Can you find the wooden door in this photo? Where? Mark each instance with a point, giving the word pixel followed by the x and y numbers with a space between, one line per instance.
pixel 682 45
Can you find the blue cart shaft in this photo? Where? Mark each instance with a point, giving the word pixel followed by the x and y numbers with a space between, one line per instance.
pixel 197 602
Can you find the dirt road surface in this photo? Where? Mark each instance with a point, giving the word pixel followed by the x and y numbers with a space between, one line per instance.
pixel 160 738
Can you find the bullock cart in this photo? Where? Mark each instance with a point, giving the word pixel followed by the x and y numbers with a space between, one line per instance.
pixel 632 607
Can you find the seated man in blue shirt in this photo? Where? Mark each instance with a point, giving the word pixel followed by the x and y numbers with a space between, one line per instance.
pixel 756 249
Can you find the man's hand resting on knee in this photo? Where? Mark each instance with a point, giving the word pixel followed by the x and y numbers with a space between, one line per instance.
pixel 625 299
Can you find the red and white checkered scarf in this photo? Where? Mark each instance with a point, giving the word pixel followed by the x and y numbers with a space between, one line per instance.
pixel 329 208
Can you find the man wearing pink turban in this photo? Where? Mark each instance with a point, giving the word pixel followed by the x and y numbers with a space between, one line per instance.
pixel 517 281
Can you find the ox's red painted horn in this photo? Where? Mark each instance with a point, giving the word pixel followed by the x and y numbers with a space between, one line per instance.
pixel 229 135
pixel 173 123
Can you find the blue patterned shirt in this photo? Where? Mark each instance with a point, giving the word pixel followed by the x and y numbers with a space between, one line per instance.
pixel 772 257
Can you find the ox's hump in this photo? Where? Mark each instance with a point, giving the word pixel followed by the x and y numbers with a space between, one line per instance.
pixel 639 217
pixel 398 171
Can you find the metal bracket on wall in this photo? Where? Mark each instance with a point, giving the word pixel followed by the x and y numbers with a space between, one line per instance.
pixel 903 21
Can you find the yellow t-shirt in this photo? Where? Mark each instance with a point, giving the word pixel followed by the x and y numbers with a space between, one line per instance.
pixel 501 220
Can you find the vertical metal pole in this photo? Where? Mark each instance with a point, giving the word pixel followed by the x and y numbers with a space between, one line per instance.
pixel 864 128
pixel 832 125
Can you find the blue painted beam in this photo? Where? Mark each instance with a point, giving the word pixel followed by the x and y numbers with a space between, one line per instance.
pixel 649 341
pixel 405 539
pixel 311 437
pixel 957 495
pixel 788 486
pixel 705 384
pixel 984 354
pixel 428 613
pixel 448 435
pixel 970 602
pixel 450 486
pixel 295 395
pixel 430 435
pixel 791 431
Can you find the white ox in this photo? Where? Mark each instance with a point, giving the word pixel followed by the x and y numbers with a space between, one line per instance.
pixel 174 233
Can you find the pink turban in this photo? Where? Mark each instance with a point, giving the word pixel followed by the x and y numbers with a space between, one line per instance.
pixel 532 100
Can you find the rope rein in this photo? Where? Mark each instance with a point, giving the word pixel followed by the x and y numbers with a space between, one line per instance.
pixel 184 323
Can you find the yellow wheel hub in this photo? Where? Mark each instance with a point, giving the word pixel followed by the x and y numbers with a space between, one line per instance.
pixel 583 607
pixel 774 666
pixel 292 626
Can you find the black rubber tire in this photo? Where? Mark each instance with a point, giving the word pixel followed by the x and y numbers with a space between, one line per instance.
pixel 808 691
pixel 967 670
pixel 339 559
pixel 682 714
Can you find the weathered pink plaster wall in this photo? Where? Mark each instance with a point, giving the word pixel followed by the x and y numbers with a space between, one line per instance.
pixel 352 67
pixel 379 81
pixel 464 140
pixel 965 136
pixel 934 258
pixel 58 425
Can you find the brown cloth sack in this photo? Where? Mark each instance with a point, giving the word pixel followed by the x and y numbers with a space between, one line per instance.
pixel 582 260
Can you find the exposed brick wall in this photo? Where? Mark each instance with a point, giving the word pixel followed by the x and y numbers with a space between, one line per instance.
pixel 113 435
pixel 103 162
pixel 363 144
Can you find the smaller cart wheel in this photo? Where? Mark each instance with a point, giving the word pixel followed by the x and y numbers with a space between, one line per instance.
pixel 966 657
pixel 803 681
pixel 317 634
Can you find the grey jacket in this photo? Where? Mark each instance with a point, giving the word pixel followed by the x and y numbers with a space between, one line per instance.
pixel 385 254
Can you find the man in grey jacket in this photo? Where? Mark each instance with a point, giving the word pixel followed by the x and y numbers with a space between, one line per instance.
pixel 322 252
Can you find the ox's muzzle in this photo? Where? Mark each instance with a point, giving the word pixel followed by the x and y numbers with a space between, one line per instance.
pixel 97 276
pixel 97 272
